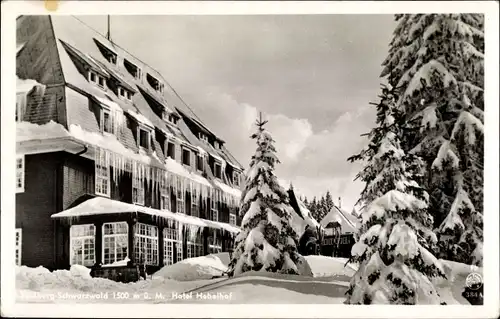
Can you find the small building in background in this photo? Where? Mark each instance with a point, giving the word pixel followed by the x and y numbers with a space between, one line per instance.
pixel 339 234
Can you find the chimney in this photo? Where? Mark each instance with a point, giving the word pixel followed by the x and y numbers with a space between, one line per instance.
pixel 108 34
pixel 340 202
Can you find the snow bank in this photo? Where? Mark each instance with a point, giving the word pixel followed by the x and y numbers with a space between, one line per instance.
pixel 26 131
pixel 198 268
pixel 77 278
pixel 250 293
pixel 324 266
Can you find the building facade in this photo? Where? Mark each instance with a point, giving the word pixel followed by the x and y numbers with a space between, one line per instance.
pixel 339 235
pixel 114 170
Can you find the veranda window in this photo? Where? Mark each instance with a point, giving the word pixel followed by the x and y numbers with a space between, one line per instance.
pixel 82 245
pixel 214 244
pixel 115 242
pixel 146 244
pixel 173 239
pixel 194 244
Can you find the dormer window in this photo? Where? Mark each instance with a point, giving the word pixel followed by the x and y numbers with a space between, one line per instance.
pixel 97 79
pixel 124 94
pixel 171 150
pixel 111 116
pixel 203 137
pixel 236 179
pixel 133 69
pixel 199 162
pixel 172 119
pixel 107 122
pixel 169 117
pixel 155 83
pixel 186 157
pixel 217 170
pixel 107 53
pixel 144 137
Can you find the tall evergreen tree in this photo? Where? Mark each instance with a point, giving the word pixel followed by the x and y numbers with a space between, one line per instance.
pixel 314 208
pixel 394 250
pixel 328 201
pixel 322 208
pixel 436 61
pixel 267 241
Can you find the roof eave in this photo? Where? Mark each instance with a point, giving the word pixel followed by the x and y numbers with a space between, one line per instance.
pixel 57 144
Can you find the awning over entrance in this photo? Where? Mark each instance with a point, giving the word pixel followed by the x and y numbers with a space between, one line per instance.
pixel 102 205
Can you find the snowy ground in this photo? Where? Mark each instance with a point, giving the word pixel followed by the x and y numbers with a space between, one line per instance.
pixel 198 280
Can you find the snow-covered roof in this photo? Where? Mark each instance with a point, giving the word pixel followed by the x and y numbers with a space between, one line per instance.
pixel 26 131
pixel 25 85
pixel 101 206
pixel 348 223
pixel 228 189
pixel 140 118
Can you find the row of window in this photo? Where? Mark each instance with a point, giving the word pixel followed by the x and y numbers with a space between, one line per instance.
pixel 145 135
pixel 115 245
pixel 342 241
pixel 103 188
pixel 133 69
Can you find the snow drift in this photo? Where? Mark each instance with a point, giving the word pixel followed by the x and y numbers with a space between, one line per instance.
pixel 198 268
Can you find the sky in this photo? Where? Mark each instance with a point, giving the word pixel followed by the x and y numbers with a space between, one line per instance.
pixel 312 77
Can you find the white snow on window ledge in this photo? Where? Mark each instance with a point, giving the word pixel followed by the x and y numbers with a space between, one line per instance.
pixel 119 263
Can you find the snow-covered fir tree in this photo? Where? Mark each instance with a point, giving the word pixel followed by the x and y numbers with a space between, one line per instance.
pixel 394 250
pixel 328 201
pixel 313 208
pixel 306 202
pixel 323 209
pixel 267 241
pixel 437 62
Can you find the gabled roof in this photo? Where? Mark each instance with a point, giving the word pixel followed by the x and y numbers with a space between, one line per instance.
pixel 348 223
pixel 75 43
pixel 81 38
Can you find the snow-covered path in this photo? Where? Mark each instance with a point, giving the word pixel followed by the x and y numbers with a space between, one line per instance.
pixel 324 287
